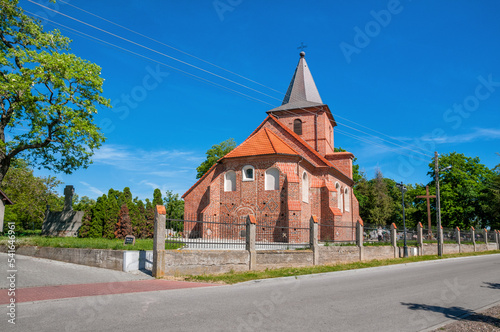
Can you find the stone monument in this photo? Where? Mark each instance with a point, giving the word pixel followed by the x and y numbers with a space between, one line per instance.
pixel 66 222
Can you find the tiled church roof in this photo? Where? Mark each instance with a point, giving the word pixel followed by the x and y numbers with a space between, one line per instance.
pixel 264 142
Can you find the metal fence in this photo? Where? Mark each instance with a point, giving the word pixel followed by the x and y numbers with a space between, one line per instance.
pixel 272 234
pixel 216 234
pixel 329 233
pixel 230 233
pixel 429 235
pixel 449 235
pixel 411 236
pixel 281 237
pixel 466 236
pixel 491 236
pixel 480 236
pixel 374 233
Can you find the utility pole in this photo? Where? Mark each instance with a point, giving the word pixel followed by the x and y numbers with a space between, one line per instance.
pixel 438 204
pixel 403 190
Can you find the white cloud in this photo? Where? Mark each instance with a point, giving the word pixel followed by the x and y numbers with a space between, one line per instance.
pixel 479 134
pixel 92 188
pixel 146 161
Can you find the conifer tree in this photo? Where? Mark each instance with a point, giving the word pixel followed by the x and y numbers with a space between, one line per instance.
pixel 123 226
pixel 98 217
pixel 85 228
pixel 157 199
pixel 112 212
pixel 379 201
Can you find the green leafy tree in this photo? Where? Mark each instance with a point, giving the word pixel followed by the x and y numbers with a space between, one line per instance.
pixel 213 154
pixel 48 96
pixel 174 207
pixel 463 191
pixel 30 194
pixel 82 204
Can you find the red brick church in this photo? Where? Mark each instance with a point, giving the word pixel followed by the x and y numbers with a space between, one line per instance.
pixel 285 171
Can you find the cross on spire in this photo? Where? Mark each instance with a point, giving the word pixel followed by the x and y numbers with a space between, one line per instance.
pixel 428 197
pixel 302 46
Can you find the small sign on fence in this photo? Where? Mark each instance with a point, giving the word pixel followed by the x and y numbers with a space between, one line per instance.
pixel 129 239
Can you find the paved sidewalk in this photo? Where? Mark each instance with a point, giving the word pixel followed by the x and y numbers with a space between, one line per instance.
pixel 108 288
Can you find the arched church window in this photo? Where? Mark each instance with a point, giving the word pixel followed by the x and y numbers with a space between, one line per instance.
pixel 272 179
pixel 230 181
pixel 340 197
pixel 297 126
pixel 305 187
pixel 248 173
pixel 347 199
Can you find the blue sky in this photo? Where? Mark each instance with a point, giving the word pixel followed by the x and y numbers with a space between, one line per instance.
pixel 402 78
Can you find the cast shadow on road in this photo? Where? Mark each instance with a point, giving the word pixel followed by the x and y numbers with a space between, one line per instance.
pixel 456 313
pixel 491 285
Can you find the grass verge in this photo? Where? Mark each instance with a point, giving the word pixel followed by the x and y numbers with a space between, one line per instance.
pixel 74 242
pixel 236 277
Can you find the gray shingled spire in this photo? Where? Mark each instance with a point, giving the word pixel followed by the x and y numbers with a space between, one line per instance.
pixel 302 91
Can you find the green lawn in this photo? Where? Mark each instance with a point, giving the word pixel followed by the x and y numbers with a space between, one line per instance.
pixel 74 242
pixel 235 277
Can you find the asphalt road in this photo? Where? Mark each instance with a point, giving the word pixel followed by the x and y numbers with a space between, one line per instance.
pixel 409 297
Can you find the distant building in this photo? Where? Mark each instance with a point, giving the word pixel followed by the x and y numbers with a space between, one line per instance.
pixel 285 171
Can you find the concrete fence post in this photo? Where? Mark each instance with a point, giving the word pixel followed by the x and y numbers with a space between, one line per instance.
pixel 394 241
pixel 457 234
pixel 420 239
pixel 485 232
pixel 360 229
pixel 250 242
pixel 313 239
pixel 441 239
pixel 473 235
pixel 159 242
pixel 498 239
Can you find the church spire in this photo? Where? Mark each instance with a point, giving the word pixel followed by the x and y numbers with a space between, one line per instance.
pixel 302 88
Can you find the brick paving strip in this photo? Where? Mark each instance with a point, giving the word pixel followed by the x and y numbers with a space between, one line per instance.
pixel 108 288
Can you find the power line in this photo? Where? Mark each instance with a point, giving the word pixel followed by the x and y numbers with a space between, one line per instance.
pixel 150 59
pixel 377 144
pixel 169 46
pixel 152 50
pixel 196 67
pixel 378 132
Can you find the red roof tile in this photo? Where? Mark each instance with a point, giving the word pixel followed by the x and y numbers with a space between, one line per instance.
pixel 261 143
pixel 330 186
pixel 336 211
